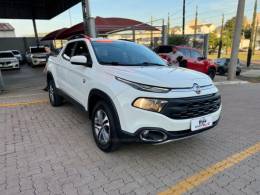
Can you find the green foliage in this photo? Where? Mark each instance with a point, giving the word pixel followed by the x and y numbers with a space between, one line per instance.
pixel 247 33
pixel 178 40
pixel 213 40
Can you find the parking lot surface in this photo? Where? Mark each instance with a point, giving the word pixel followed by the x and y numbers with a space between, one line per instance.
pixel 46 150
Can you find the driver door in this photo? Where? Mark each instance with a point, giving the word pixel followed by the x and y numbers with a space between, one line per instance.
pixel 78 76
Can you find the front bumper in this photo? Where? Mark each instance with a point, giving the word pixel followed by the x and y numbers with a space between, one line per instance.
pixel 38 61
pixel 10 66
pixel 134 120
pixel 126 137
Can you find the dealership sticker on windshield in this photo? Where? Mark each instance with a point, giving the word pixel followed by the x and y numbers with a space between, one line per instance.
pixel 201 123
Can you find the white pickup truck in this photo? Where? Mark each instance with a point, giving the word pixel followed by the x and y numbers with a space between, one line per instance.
pixel 131 94
pixel 37 56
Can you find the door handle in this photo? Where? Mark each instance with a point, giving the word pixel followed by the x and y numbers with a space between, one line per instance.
pixel 84 81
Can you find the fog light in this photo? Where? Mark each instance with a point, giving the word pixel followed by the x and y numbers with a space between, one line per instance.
pixel 153 136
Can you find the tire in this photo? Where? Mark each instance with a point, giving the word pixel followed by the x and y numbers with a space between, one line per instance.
pixel 238 73
pixel 55 99
pixel 221 71
pixel 212 73
pixel 104 127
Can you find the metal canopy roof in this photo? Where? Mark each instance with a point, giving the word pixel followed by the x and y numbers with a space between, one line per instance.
pixel 37 9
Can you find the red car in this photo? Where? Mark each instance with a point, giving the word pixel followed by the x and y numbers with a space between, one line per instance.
pixel 192 59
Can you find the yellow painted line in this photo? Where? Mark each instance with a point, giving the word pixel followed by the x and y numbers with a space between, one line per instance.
pixel 16 104
pixel 202 176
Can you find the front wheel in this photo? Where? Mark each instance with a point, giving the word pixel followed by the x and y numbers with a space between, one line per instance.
pixel 104 127
pixel 212 73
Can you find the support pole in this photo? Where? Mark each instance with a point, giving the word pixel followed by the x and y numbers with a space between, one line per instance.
pixel 221 37
pixel 35 32
pixel 236 40
pixel 183 17
pixel 1 82
pixel 89 26
pixel 249 53
pixel 165 35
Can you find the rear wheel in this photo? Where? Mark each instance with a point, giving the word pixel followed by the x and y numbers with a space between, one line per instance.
pixel 212 73
pixel 221 71
pixel 104 127
pixel 55 99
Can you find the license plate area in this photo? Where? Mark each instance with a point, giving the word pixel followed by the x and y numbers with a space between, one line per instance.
pixel 201 123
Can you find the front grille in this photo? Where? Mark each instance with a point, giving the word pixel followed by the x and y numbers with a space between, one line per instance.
pixel 187 108
pixel 40 57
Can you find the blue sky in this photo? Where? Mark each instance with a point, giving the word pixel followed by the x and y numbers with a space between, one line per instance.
pixel 209 11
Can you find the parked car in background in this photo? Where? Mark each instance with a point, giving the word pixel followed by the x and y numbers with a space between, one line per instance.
pixel 192 59
pixel 131 94
pixel 37 56
pixel 18 55
pixel 8 60
pixel 223 64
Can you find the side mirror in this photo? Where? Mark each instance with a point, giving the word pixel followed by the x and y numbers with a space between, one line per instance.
pixel 79 60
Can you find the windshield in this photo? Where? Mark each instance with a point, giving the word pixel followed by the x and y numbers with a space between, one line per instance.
pixel 38 50
pixel 6 55
pixel 15 52
pixel 125 54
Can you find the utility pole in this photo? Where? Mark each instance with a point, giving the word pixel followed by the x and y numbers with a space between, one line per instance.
pixel 183 17
pixel 221 37
pixel 236 39
pixel 89 24
pixel 256 31
pixel 70 18
pixel 249 53
pixel 169 25
pixel 195 27
pixel 151 32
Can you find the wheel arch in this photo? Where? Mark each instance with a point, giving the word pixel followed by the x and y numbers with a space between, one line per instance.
pixel 96 95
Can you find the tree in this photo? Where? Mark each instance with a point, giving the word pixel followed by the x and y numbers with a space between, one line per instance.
pixel 229 31
pixel 247 33
pixel 178 40
pixel 213 40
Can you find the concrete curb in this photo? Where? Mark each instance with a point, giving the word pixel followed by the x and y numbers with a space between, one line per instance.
pixel 231 83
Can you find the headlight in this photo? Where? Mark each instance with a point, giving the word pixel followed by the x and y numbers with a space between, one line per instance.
pixel 154 105
pixel 143 87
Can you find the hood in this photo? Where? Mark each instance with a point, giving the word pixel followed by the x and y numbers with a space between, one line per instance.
pixel 161 76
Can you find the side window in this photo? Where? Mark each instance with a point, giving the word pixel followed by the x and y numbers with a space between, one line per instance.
pixel 67 54
pixel 81 49
pixel 185 52
pixel 195 54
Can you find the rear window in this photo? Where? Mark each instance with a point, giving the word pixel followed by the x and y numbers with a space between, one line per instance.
pixel 164 49
pixel 6 55
pixel 38 50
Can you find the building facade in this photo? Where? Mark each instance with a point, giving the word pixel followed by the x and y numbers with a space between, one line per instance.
pixel 6 30
pixel 202 28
